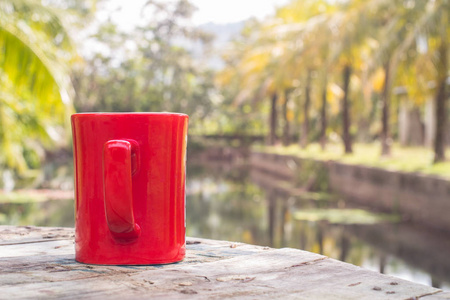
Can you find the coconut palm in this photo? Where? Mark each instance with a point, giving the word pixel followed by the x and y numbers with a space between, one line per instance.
pixel 285 54
pixel 262 71
pixel 421 28
pixel 304 25
pixel 431 32
pixel 331 40
pixel 349 25
pixel 35 88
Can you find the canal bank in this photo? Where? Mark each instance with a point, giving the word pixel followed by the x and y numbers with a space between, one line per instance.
pixel 416 197
pixel 420 198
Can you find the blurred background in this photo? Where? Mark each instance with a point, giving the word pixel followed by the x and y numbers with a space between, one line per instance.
pixel 318 125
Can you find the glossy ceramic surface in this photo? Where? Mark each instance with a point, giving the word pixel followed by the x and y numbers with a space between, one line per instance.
pixel 129 187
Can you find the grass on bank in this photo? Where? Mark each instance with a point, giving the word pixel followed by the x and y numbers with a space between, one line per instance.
pixel 407 159
pixel 33 196
pixel 344 216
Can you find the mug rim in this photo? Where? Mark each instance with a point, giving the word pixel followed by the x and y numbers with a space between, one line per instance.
pixel 106 114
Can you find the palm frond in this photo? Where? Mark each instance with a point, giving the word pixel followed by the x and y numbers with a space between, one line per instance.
pixel 35 91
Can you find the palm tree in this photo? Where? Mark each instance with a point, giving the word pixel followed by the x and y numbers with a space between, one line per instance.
pixel 382 19
pixel 280 58
pixel 345 54
pixel 305 31
pixel 441 92
pixel 306 107
pixel 434 24
pixel 346 73
pixel 263 72
pixel 35 87
pixel 413 25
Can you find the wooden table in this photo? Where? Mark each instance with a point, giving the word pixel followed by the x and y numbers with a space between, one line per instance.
pixel 38 262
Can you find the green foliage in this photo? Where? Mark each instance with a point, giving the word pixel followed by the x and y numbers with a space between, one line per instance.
pixel 301 50
pixel 148 69
pixel 313 176
pixel 22 197
pixel 35 87
pixel 44 213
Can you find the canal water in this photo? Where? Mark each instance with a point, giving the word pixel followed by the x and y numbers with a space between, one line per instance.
pixel 231 203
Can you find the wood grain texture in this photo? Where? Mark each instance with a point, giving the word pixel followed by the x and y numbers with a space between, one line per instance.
pixel 39 263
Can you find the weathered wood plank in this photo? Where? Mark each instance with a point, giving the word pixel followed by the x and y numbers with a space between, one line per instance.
pixel 10 235
pixel 32 267
pixel 437 296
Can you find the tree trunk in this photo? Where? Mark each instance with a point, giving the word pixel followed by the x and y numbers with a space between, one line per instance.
pixel 273 120
pixel 441 103
pixel 345 111
pixel 345 247
pixel 323 116
pixel 286 128
pixel 272 206
pixel 305 126
pixel 385 102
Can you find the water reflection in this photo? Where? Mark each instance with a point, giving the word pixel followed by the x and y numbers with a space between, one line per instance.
pixel 39 213
pixel 246 206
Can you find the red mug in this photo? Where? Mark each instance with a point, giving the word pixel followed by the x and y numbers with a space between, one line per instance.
pixel 130 171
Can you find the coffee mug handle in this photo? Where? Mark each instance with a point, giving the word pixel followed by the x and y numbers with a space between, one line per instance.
pixel 120 162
